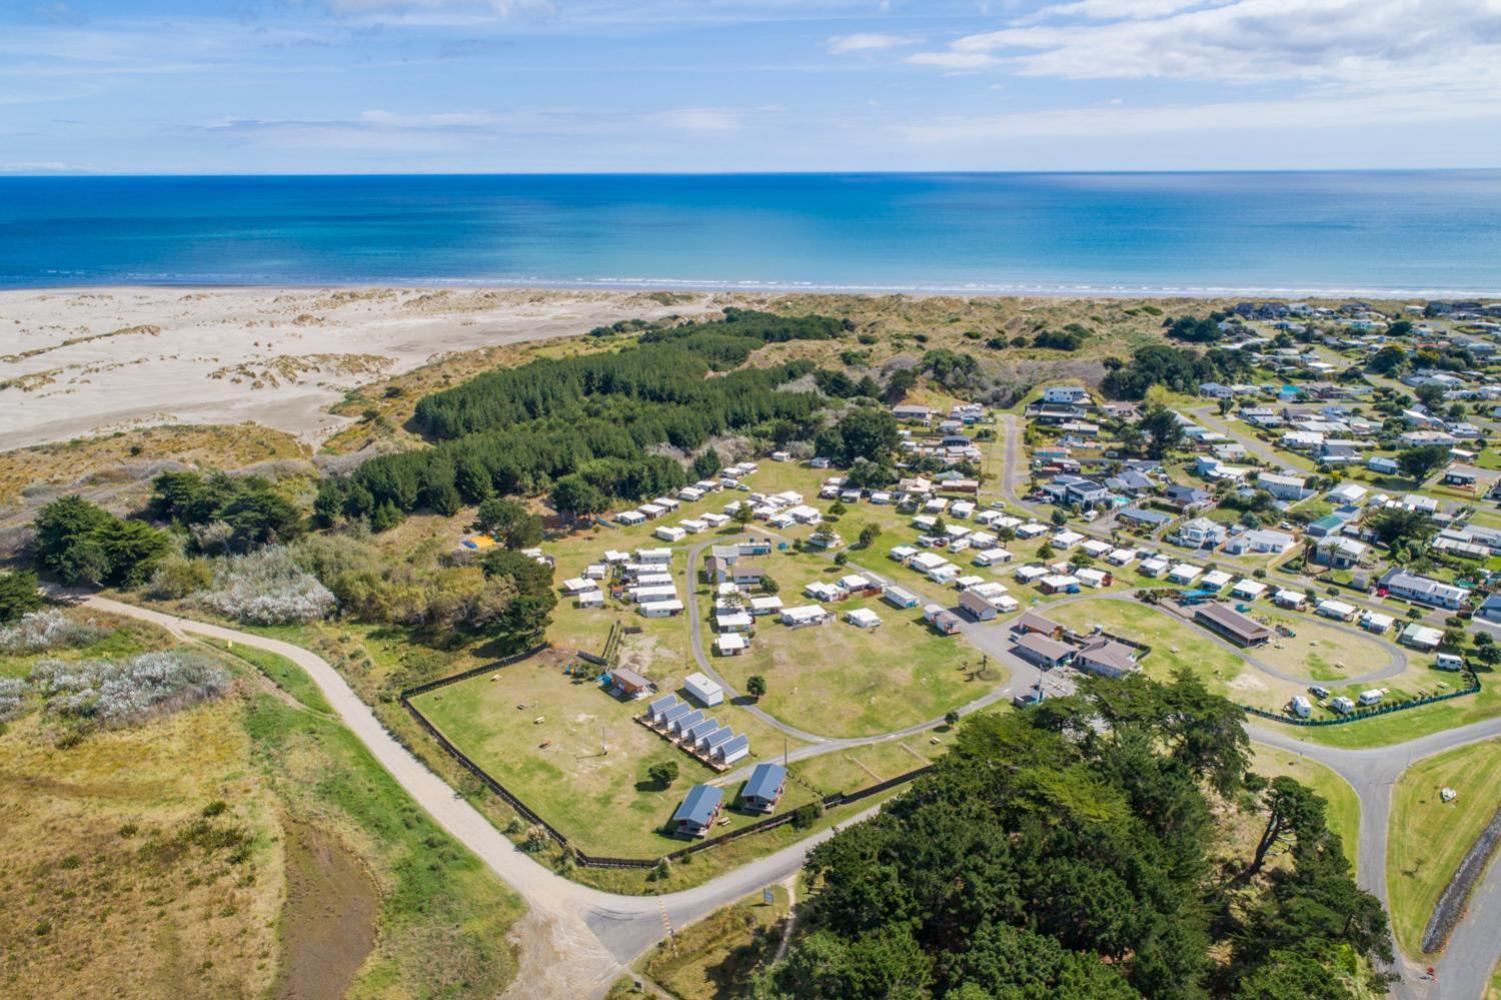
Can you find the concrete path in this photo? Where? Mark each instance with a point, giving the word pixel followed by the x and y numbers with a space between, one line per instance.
pixel 575 940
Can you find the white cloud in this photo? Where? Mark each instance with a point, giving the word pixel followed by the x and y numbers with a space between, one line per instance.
pixel 1278 116
pixel 953 60
pixel 698 119
pixel 1111 10
pixel 867 42
pixel 1251 41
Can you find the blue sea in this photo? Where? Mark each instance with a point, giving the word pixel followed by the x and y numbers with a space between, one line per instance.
pixel 1371 233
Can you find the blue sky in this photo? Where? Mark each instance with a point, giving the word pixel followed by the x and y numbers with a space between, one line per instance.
pixel 293 86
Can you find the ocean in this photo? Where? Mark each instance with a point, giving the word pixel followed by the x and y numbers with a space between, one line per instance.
pixel 1397 233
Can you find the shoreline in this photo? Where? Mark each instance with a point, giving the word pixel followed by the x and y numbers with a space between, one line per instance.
pixel 647 286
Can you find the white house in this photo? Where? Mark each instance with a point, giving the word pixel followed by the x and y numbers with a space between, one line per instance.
pixel 1287 598
pixel 1283 487
pixel 804 614
pixel 1069 395
pixel 1248 589
pixel 1201 533
pixel 1423 590
pixel 1184 573
pixel 1338 610
pixel 708 692
pixel 862 618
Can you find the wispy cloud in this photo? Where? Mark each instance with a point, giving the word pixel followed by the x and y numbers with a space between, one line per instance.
pixel 953 60
pixel 1247 41
pixel 867 42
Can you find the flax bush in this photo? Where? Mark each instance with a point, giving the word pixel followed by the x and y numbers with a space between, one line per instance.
pixel 40 631
pixel 117 691
pixel 266 588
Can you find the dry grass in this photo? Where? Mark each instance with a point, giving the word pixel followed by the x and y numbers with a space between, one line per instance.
pixel 111 459
pixel 716 957
pixel 104 896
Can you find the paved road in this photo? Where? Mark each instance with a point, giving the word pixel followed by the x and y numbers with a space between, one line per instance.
pixel 1474 949
pixel 575 940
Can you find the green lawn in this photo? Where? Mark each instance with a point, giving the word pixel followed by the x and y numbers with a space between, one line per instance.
pixel 1319 652
pixel 839 680
pixel 848 770
pixel 1409 724
pixel 1175 645
pixel 1429 837
pixel 1343 804
pixel 584 765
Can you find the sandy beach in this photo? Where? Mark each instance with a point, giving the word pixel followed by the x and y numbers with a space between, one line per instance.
pixel 90 361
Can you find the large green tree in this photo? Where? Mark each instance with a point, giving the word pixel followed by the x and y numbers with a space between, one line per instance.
pixel 1421 462
pixel 81 543
pixel 1066 851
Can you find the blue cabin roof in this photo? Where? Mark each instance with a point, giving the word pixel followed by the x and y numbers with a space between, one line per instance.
pixel 698 805
pixel 721 735
pixel 677 711
pixel 765 781
pixel 741 742
pixel 662 704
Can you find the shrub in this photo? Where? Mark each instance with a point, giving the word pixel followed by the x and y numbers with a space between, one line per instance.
pixel 118 691
pixel 51 629
pixel 178 577
pixel 266 588
pixel 12 694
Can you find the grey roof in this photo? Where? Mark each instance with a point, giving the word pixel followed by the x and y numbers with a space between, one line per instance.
pixel 741 742
pixel 685 722
pixel 1031 621
pixel 1109 653
pixel 699 805
pixel 1142 514
pixel 721 735
pixel 676 712
pixel 765 781
pixel 1052 649
pixel 662 704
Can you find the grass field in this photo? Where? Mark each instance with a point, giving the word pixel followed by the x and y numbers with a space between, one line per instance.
pixel 101 460
pixel 715 957
pixel 839 680
pixel 202 852
pixel 1318 652
pixel 584 766
pixel 1343 804
pixel 1412 723
pixel 1428 837
pixel 1175 645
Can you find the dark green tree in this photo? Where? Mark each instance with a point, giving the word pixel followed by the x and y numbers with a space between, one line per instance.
pixel 509 523
pixel 18 594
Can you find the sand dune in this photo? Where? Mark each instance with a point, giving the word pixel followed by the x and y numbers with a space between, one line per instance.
pixel 77 362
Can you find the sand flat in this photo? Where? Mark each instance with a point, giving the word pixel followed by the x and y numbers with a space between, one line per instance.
pixel 81 361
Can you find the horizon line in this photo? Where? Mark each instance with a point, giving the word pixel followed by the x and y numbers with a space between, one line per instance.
pixel 950 172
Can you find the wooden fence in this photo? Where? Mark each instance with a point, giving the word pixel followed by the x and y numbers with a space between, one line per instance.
pixel 597 861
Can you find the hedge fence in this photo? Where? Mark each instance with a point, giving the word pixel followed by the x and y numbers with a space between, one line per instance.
pixel 1370 713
